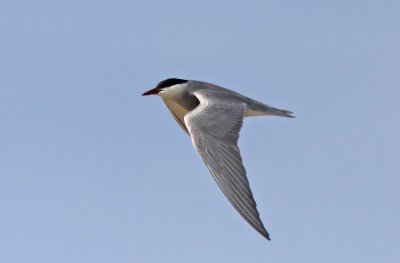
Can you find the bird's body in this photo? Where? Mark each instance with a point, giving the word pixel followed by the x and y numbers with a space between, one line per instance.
pixel 213 117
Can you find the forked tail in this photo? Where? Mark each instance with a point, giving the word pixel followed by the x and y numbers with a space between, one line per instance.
pixel 279 112
pixel 256 108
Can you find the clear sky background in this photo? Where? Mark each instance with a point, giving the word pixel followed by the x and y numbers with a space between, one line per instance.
pixel 90 171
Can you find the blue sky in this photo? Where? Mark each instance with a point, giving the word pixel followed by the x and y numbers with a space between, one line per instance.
pixel 90 171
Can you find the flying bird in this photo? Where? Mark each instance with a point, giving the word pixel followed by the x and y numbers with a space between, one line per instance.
pixel 213 116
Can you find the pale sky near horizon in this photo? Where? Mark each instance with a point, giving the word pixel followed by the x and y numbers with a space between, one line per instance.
pixel 90 171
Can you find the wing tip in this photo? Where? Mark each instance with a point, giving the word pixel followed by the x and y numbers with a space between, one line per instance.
pixel 264 233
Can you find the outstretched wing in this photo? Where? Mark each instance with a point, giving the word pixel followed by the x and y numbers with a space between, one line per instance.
pixel 214 128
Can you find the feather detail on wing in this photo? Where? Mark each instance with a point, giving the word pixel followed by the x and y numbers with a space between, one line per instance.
pixel 214 127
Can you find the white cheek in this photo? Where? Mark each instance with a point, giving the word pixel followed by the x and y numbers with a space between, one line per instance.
pixel 172 92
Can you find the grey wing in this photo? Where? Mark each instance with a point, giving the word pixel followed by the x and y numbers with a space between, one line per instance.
pixel 214 128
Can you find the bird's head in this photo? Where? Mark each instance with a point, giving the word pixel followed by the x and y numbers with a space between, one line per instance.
pixel 164 85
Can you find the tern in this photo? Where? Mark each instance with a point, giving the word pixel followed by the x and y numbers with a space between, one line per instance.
pixel 213 116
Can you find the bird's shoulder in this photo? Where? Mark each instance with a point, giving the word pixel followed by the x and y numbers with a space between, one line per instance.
pixel 210 92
